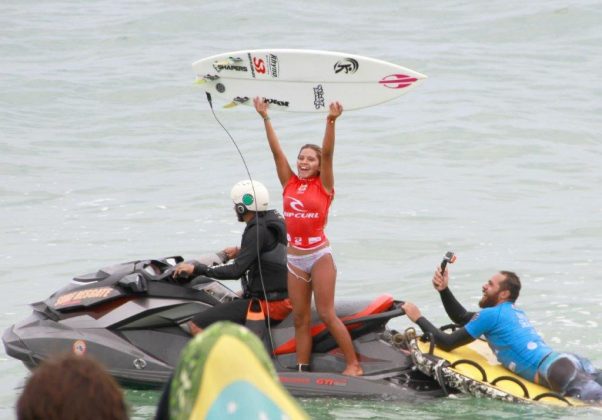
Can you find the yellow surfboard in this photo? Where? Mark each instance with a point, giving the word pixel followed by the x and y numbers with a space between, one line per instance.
pixel 474 369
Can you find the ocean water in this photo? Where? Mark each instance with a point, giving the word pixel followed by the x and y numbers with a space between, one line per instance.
pixel 108 152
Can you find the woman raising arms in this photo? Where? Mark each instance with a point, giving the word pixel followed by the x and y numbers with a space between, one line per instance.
pixel 306 200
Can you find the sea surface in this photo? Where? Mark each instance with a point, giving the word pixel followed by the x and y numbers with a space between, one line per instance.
pixel 109 152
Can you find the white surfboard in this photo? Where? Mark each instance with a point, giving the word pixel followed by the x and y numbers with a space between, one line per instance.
pixel 303 80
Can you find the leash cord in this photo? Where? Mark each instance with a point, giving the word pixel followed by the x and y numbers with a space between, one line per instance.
pixel 267 306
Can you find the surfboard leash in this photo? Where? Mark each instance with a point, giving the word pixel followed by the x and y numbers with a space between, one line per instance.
pixel 265 296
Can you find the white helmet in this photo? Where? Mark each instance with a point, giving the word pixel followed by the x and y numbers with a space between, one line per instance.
pixel 250 197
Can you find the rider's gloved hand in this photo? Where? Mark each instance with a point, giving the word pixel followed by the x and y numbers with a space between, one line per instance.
pixel 182 272
pixel 186 271
pixel 199 268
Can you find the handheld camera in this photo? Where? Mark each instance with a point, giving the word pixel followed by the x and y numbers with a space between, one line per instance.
pixel 449 258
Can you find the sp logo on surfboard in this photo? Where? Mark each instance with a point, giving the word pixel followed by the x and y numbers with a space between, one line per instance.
pixel 259 65
pixel 346 65
pixel 397 81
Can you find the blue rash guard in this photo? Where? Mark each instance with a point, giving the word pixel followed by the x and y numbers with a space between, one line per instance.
pixel 511 337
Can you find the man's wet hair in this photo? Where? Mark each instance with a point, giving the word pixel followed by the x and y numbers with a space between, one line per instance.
pixel 510 283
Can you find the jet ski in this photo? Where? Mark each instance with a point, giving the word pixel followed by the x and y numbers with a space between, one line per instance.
pixel 132 318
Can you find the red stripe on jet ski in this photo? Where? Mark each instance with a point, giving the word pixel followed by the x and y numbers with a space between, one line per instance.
pixel 99 311
pixel 378 305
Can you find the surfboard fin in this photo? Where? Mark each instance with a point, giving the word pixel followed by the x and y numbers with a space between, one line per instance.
pixel 229 60
pixel 237 101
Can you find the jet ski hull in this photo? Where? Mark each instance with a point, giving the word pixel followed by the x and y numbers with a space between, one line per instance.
pixel 133 321
pixel 409 386
pixel 393 378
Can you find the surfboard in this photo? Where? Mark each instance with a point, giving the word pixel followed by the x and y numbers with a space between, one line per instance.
pixel 303 80
pixel 225 372
pixel 473 369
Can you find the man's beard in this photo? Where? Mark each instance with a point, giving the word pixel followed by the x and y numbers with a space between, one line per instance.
pixel 487 302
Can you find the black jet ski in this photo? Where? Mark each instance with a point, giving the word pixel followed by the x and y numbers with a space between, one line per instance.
pixel 132 318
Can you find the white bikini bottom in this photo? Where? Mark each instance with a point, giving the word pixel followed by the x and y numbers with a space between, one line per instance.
pixel 306 262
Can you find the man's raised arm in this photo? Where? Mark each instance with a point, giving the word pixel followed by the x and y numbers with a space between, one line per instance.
pixel 456 312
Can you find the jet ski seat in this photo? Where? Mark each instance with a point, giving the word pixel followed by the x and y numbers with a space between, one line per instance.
pixel 366 313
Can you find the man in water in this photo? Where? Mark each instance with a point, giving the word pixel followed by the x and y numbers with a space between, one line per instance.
pixel 261 257
pixel 511 336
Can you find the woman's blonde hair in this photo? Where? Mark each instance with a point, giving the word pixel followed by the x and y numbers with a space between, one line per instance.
pixel 313 147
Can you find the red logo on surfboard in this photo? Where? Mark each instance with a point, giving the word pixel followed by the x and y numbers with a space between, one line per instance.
pixel 397 81
pixel 259 65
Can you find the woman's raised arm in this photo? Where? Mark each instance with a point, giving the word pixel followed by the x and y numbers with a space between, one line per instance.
pixel 326 165
pixel 283 168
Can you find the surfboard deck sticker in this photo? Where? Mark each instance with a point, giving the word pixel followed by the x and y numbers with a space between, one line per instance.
pixel 303 80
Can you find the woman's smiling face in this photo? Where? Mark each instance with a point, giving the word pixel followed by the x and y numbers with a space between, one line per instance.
pixel 308 163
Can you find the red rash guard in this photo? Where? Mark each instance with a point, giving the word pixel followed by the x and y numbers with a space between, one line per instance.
pixel 306 205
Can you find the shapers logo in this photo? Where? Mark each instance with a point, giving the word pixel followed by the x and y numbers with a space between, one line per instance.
pixel 231 67
pixel 346 65
pixel 319 97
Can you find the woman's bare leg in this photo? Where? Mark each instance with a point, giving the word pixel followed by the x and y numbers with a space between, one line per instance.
pixel 323 276
pixel 299 292
pixel 194 329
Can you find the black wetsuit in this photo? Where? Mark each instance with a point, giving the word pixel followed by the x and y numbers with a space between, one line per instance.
pixel 458 314
pixel 264 235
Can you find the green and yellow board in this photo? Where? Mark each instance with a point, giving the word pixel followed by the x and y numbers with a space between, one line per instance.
pixel 225 372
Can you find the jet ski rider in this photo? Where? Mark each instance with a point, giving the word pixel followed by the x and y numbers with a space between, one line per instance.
pixel 264 236
pixel 511 336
